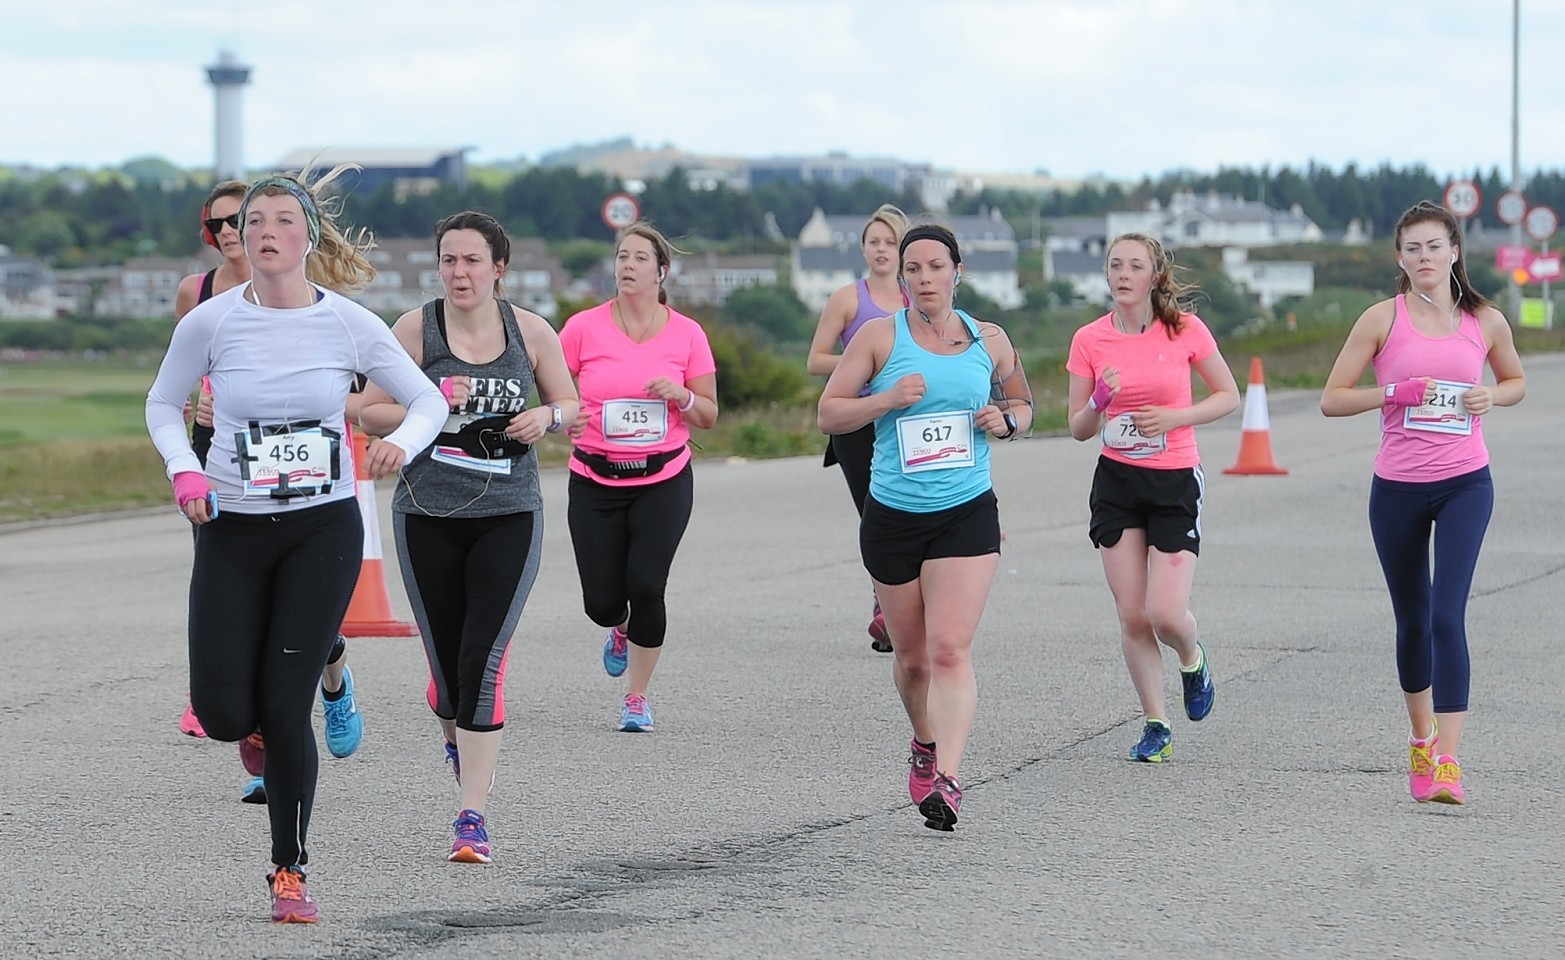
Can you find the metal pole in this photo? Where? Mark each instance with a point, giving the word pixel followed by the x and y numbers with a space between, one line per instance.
pixel 1516 163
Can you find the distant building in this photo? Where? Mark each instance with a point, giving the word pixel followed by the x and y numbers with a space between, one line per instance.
pixel 1212 220
pixel 708 279
pixel 407 275
pixel 409 172
pixel 1269 280
pixel 143 287
pixel 837 169
pixel 827 255
pixel 27 290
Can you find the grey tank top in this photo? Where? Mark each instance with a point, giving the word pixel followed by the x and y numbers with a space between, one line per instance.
pixel 472 469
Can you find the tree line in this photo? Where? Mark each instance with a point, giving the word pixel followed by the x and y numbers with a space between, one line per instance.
pixel 77 219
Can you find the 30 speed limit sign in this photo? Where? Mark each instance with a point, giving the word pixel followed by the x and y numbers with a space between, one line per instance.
pixel 1541 223
pixel 1462 198
pixel 1511 207
pixel 620 210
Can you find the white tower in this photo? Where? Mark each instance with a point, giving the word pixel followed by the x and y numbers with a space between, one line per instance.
pixel 227 77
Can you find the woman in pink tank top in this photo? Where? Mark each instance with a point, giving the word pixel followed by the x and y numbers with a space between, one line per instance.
pixel 1428 346
pixel 878 294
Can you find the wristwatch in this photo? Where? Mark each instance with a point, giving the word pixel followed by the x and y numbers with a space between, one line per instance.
pixel 559 419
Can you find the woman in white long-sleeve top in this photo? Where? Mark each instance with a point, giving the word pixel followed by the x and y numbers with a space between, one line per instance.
pixel 279 555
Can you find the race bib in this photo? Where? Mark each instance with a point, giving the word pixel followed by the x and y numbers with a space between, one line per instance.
pixel 287 460
pixel 457 457
pixel 936 441
pixel 1120 435
pixel 1444 414
pixel 635 421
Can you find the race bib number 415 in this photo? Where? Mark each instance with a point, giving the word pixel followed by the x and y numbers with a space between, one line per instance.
pixel 937 441
pixel 635 421
pixel 1446 413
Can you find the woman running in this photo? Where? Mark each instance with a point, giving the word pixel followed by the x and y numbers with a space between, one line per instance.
pixel 467 514
pixel 940 384
pixel 344 723
pixel 282 541
pixel 646 376
pixel 877 294
pixel 1130 387
pixel 1428 346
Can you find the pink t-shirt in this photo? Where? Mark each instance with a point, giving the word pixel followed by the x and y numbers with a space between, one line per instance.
pixel 1154 370
pixel 612 372
pixel 1440 440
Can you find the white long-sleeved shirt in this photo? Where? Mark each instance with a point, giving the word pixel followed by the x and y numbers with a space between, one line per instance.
pixel 272 367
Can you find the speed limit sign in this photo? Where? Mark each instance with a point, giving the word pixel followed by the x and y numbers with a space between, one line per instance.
pixel 1541 223
pixel 620 210
pixel 1462 198
pixel 1511 207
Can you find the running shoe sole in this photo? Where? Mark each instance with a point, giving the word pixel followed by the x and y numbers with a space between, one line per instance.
pixel 255 792
pixel 466 854
pixel 938 814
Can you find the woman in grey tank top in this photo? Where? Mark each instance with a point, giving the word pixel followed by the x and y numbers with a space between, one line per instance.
pixel 464 506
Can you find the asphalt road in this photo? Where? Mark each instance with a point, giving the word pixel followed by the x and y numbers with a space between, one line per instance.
pixel 768 815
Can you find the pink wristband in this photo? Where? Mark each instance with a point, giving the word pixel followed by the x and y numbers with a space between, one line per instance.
pixel 1408 393
pixel 189 485
pixel 447 388
pixel 685 407
pixel 1101 394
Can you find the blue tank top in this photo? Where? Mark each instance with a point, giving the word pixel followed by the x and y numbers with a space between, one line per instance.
pixel 929 456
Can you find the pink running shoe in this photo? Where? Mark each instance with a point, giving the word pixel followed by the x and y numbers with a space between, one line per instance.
pixel 921 772
pixel 189 724
pixel 291 900
pixel 252 753
pixel 1421 767
pixel 1448 782
pixel 941 806
pixel 880 637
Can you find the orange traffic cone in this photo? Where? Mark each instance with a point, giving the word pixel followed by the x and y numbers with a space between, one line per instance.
pixel 1255 444
pixel 369 612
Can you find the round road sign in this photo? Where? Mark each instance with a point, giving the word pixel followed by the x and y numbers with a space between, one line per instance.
pixel 620 210
pixel 1462 198
pixel 1541 223
pixel 1511 207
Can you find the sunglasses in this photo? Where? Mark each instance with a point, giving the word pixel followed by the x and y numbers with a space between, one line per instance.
pixel 215 225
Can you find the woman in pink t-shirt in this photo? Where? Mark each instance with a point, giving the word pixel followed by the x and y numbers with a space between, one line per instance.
pixel 1130 387
pixel 646 376
pixel 1428 346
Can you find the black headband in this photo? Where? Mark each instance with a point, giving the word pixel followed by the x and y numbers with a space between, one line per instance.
pixel 927 232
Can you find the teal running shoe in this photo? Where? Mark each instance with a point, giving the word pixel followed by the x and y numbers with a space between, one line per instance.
pixel 616 652
pixel 637 715
pixel 1156 743
pixel 344 723
pixel 254 792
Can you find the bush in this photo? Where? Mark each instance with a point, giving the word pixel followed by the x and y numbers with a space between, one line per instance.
pixel 747 374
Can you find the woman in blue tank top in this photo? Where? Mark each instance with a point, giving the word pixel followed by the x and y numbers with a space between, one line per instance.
pixel 875 295
pixel 940 383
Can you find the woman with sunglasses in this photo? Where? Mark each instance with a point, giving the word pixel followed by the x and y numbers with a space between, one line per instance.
pixel 282 539
pixel 940 384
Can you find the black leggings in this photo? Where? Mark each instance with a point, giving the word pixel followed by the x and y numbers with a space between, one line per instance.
pixel 468 579
pixel 625 539
pixel 853 452
pixel 266 597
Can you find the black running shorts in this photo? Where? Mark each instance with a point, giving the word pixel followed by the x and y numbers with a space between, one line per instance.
pixel 895 543
pixel 1164 503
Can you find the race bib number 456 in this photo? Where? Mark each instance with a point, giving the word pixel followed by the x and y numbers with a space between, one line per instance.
pixel 937 441
pixel 288 460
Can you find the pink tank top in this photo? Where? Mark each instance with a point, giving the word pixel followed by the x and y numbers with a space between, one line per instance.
pixel 1438 440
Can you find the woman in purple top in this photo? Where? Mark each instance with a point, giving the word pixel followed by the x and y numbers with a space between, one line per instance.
pixel 876 295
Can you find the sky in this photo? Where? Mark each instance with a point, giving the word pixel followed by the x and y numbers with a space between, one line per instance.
pixel 1118 88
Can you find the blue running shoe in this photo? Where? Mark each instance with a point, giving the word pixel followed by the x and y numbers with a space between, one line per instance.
pixel 455 761
pixel 637 715
pixel 1199 691
pixel 616 652
pixel 1156 743
pixel 472 839
pixel 344 725
pixel 255 791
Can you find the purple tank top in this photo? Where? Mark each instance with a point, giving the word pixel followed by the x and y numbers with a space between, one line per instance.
pixel 867 311
pixel 1440 440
